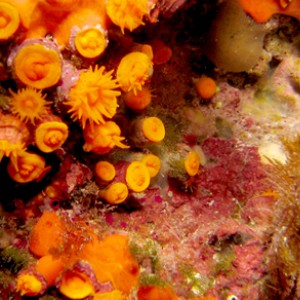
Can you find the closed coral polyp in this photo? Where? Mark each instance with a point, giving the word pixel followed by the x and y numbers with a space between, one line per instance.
pixel 153 129
pixel 206 87
pixel 9 21
pixel 133 71
pixel 138 100
pixel 91 42
pixel 28 104
pixel 102 138
pixel 127 13
pixel 94 97
pixel 192 163
pixel 153 164
pixel 75 285
pixel 26 167
pixel 49 136
pixel 104 171
pixel 115 193
pixel 137 176
pixel 38 66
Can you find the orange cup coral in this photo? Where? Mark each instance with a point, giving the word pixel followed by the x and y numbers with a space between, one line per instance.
pixel 9 21
pixel 94 97
pixel 38 66
pixel 134 70
pixel 30 283
pixel 262 11
pixel 115 193
pixel 153 129
pixel 75 284
pixel 91 42
pixel 104 172
pixel 206 87
pixel 127 13
pixel 137 176
pixel 153 163
pixel 103 138
pixel 192 163
pixel 27 167
pixel 51 135
pixel 14 136
pixel 28 104
pixel 138 100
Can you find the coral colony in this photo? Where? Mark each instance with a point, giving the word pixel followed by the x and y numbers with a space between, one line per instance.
pixel 149 149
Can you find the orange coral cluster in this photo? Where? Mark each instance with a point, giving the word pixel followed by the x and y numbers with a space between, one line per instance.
pixel 77 20
pixel 262 11
pixel 79 262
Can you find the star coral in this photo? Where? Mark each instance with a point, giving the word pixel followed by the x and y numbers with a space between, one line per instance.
pixel 103 138
pixel 9 21
pixel 94 97
pixel 127 13
pixel 28 104
pixel 134 70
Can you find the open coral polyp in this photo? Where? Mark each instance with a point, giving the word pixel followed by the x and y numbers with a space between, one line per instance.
pixel 127 13
pixel 28 104
pixel 14 136
pixel 134 70
pixel 30 283
pixel 102 138
pixel 94 97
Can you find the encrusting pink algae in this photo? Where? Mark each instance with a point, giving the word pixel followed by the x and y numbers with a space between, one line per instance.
pixel 149 149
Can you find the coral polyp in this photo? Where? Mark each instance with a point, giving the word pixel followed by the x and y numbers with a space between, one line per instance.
pixel 37 65
pixel 141 149
pixel 14 136
pixel 94 97
pixel 9 21
pixel 133 71
pixel 28 104
pixel 102 138
pixel 128 13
